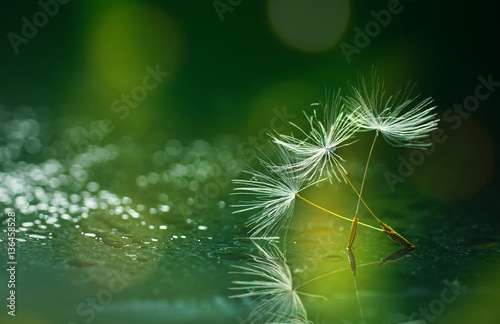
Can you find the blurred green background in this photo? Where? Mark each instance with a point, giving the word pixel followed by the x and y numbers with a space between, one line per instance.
pixel 232 65
pixel 225 73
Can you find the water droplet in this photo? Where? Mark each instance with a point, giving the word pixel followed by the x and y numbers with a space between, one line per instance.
pixel 164 208
pixel 37 236
pixel 93 186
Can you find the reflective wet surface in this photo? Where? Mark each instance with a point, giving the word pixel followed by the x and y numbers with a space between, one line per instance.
pixel 121 232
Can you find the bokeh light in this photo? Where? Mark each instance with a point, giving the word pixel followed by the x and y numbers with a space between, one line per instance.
pixel 309 26
pixel 125 38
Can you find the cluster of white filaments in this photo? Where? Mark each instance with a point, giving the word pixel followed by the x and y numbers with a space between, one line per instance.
pixel 373 110
pixel 316 155
pixel 276 299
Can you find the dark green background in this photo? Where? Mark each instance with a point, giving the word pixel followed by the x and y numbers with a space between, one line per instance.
pixel 441 45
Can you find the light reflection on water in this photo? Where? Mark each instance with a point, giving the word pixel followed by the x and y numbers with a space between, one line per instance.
pixel 99 220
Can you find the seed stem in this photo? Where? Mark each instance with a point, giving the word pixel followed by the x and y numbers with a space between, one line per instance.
pixel 354 226
pixel 393 235
pixel 337 215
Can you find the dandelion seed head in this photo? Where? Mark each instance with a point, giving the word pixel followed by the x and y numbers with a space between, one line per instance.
pixel 371 109
pixel 316 155
pixel 272 196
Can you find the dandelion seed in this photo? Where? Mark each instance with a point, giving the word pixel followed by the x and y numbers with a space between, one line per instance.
pixel 373 110
pixel 273 195
pixel 276 299
pixel 317 154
